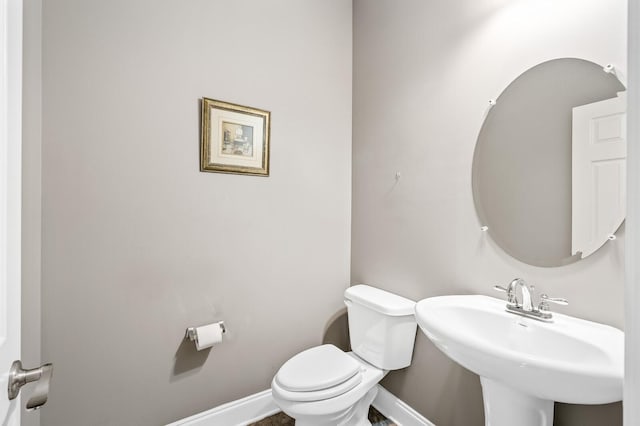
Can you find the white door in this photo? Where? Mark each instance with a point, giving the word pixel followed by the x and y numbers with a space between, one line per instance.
pixel 598 173
pixel 10 198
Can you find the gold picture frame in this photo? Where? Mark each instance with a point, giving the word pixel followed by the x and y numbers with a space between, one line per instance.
pixel 234 138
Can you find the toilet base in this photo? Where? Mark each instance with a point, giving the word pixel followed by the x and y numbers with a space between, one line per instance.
pixel 357 415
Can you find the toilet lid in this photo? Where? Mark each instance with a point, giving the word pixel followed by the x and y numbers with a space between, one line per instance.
pixel 318 368
pixel 318 395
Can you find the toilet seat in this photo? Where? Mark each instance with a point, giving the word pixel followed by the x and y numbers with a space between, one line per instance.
pixel 318 373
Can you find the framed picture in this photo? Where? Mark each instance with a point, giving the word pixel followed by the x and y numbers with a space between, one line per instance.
pixel 235 139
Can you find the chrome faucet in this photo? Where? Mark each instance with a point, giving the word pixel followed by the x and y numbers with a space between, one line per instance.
pixel 526 293
pixel 526 308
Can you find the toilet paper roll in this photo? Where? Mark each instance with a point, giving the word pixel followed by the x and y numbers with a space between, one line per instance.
pixel 208 335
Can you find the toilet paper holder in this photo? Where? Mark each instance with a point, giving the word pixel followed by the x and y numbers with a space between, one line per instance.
pixel 192 334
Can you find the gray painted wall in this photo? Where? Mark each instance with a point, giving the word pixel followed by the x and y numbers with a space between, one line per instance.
pixel 137 244
pixel 31 194
pixel 423 75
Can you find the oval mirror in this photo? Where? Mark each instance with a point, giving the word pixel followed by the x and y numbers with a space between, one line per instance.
pixel 549 166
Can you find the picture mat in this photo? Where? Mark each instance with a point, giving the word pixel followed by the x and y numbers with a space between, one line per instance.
pixel 217 138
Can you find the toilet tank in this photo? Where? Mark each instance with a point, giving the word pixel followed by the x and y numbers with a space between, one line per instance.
pixel 382 326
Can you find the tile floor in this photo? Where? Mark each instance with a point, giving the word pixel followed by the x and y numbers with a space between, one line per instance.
pixel 281 419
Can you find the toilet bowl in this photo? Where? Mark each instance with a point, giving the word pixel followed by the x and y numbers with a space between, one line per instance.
pixel 325 386
pixel 343 403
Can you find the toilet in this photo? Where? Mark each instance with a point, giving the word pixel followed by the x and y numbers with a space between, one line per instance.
pixel 325 386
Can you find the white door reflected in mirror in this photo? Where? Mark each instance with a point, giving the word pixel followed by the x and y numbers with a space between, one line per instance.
pixel 599 163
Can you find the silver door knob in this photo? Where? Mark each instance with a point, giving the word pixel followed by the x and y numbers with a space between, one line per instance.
pixel 18 377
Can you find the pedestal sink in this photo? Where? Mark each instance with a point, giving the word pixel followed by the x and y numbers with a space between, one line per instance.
pixel 524 364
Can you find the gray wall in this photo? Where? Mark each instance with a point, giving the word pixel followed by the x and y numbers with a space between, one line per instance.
pixel 423 75
pixel 137 244
pixel 32 194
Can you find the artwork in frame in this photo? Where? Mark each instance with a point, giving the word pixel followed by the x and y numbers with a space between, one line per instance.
pixel 235 139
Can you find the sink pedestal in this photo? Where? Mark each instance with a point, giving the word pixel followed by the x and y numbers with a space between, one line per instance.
pixel 506 406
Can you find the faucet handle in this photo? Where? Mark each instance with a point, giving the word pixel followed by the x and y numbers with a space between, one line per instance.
pixel 544 302
pixel 558 300
pixel 500 288
pixel 511 296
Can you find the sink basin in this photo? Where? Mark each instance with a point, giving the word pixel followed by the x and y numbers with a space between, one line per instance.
pixel 517 358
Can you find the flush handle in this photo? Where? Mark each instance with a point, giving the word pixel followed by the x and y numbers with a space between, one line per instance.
pixel 18 377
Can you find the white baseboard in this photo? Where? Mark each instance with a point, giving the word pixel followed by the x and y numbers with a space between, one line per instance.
pixel 397 410
pixel 260 405
pixel 235 413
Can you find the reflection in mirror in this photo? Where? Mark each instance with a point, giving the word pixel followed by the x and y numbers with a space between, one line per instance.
pixel 524 162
